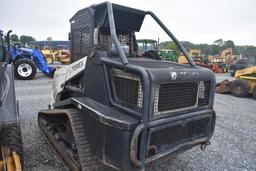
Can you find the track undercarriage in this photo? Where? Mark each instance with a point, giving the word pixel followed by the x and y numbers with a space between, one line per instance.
pixel 64 130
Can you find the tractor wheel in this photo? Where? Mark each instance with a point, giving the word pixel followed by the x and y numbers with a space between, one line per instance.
pixel 152 54
pixel 24 69
pixel 239 88
pixel 254 92
pixel 13 147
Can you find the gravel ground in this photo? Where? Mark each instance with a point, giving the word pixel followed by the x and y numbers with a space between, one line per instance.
pixel 233 146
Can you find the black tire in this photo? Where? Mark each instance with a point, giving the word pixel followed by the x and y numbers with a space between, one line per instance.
pixel 13 140
pixel 153 55
pixel 24 73
pixel 232 73
pixel 239 88
pixel 254 92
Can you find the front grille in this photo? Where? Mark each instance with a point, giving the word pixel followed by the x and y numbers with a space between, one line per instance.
pixel 169 137
pixel 174 96
pixel 127 88
pixel 169 97
pixel 203 99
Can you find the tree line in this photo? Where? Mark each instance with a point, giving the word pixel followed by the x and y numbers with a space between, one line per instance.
pixel 22 39
pixel 213 49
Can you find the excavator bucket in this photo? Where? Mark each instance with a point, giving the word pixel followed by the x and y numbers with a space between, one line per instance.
pixel 10 161
pixel 223 87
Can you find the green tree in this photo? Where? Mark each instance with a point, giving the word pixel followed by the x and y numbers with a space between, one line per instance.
pixel 188 45
pixel 205 48
pixel 25 39
pixel 247 51
pixel 218 42
pixel 230 44
pixel 174 48
pixel 49 38
pixel 214 49
pixel 163 45
pixel 14 38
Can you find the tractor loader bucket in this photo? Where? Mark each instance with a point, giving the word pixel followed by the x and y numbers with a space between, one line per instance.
pixel 223 87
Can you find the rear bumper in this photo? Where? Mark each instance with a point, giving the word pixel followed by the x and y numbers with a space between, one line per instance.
pixel 173 150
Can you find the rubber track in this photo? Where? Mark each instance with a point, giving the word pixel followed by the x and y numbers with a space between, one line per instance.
pixel 87 159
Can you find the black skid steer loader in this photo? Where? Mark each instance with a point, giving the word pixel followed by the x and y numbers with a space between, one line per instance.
pixel 115 109
pixel 11 149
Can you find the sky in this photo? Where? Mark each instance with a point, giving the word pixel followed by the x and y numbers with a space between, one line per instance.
pixel 197 21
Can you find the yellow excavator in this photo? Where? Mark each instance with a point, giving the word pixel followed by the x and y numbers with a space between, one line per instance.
pixel 49 55
pixel 242 86
pixel 61 54
pixel 226 55
pixel 194 53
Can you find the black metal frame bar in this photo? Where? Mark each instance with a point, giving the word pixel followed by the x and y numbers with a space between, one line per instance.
pixel 1 37
pixel 113 34
pixel 180 46
pixel 6 59
pixel 7 38
pixel 2 44
pixel 117 43
pixel 142 127
pixel 136 69
pixel 144 115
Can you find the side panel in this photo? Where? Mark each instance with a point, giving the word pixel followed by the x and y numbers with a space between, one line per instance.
pixel 81 36
pixel 8 108
pixel 95 83
pixel 62 75
pixel 110 144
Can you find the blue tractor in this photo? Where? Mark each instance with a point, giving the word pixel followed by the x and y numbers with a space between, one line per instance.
pixel 27 60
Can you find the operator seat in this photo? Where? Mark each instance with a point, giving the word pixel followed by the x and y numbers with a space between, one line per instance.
pixel 102 38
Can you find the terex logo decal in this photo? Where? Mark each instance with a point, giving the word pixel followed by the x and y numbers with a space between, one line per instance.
pixel 77 66
pixel 173 75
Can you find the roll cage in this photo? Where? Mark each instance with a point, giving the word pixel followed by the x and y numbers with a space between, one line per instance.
pixel 114 17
